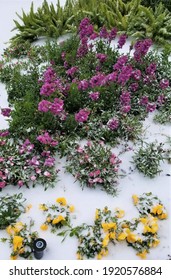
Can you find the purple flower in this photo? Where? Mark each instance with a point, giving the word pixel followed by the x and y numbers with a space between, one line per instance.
pixel 83 85
pixel 150 107
pixel 44 106
pixel 46 139
pixel 125 109
pixel 4 133
pixel 122 60
pixel 34 161
pixel 136 74
pixel 103 33
pixel 50 161
pixel 47 89
pixel 125 74
pixel 150 70
pixel 134 87
pixel 113 124
pixel 49 75
pixel 112 34
pixel 57 106
pixel 144 100
pixel 125 98
pixel 72 71
pixel 161 99
pixel 102 57
pixel 6 112
pixel 20 183
pixel 97 80
pixel 164 83
pixel 94 95
pixel 122 40
pixel 82 115
pixel 141 48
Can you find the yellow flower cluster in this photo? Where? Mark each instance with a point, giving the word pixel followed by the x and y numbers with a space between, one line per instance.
pixel 58 214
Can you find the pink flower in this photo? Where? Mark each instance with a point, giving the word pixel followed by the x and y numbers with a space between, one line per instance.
pixel 6 112
pixel 44 106
pixel 2 185
pixel 164 83
pixel 33 178
pixel 1 159
pixel 80 150
pixel 113 159
pixel 20 183
pixel 47 174
pixel 82 115
pixel 94 95
pixel 113 124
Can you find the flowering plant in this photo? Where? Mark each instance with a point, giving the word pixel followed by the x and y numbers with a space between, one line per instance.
pixel 21 239
pixel 57 215
pixel 147 203
pixel 94 165
pixel 147 159
pixel 20 165
pixel 11 207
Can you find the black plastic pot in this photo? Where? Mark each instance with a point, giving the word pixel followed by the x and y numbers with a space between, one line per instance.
pixel 39 245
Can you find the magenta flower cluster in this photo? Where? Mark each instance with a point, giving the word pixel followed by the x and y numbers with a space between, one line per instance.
pixel 82 115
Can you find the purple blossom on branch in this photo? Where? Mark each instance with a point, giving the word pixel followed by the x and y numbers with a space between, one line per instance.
pixel 82 115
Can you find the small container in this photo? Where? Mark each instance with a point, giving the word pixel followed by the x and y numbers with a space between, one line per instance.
pixel 39 245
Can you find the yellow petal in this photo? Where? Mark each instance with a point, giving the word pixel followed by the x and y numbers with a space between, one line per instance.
pixel 44 227
pixel 135 199
pixel 62 201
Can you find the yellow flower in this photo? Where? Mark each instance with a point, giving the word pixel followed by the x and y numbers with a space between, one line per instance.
pixel 13 229
pixel 28 207
pixel 122 236
pixel 57 220
pixel 105 240
pixel 120 213
pixel 103 252
pixel 97 214
pixel 157 210
pixel 124 225
pixel 131 237
pixel 71 208
pixel 13 257
pixel 155 243
pixel 62 201
pixel 99 256
pixel 44 227
pixel 142 255
pixel 135 199
pixel 112 235
pixel 150 224
pixel 163 216
pixel 17 242
pixel 49 219
pixel 79 257
pixel 108 226
pixel 43 207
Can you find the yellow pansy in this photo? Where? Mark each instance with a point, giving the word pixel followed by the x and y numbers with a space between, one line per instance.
pixel 13 229
pixel 43 207
pixel 62 201
pixel 17 242
pixel 142 255
pixel 49 219
pixel 112 235
pixel 97 214
pixel 105 240
pixel 163 216
pixel 135 199
pixel 120 213
pixel 155 243
pixel 71 208
pixel 122 236
pixel 108 226
pixel 58 219
pixel 131 237
pixel 157 210
pixel 44 227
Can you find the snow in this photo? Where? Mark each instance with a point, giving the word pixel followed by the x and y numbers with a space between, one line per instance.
pixel 87 200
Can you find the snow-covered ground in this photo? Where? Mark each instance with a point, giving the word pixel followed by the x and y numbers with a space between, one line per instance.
pixel 87 200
